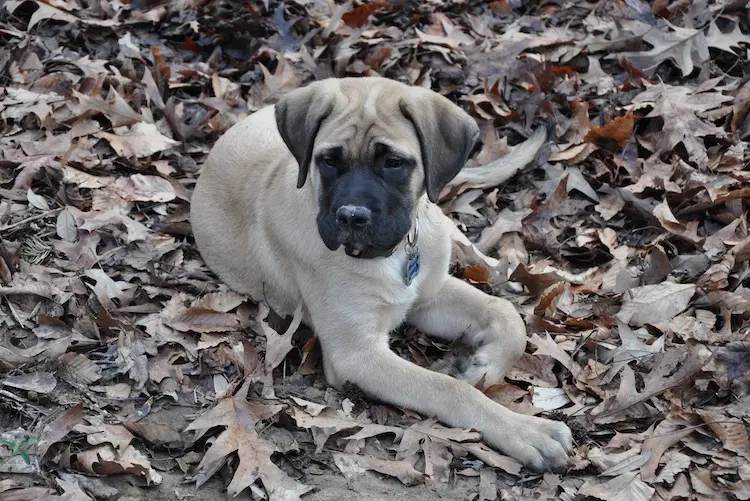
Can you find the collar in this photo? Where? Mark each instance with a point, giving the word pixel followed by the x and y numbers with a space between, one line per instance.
pixel 411 269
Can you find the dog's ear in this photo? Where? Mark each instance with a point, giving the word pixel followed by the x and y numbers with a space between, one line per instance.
pixel 448 137
pixel 299 115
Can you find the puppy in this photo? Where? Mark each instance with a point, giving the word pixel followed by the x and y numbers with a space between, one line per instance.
pixel 328 199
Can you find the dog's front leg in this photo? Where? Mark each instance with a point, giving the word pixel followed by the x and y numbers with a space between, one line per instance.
pixel 496 331
pixel 355 349
pixel 488 324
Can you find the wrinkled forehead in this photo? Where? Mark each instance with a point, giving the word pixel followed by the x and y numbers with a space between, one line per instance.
pixel 366 118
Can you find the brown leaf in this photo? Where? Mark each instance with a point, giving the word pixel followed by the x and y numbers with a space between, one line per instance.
pixel 664 435
pixel 360 15
pixel 140 188
pixel 104 460
pixel 161 71
pixel 536 283
pixel 40 382
pixel 655 304
pixel 688 231
pixel 254 452
pixel 277 345
pixel 140 140
pixel 98 433
pixel 477 274
pixel 731 431
pixel 677 106
pixel 57 429
pixel 626 487
pixel 223 301
pixel 354 465
pixel 203 320
pixel 671 368
pixel 619 131
pixel 79 369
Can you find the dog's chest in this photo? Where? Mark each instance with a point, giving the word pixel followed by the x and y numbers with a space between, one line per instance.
pixel 387 278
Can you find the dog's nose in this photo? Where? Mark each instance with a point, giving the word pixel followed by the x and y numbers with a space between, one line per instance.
pixel 353 216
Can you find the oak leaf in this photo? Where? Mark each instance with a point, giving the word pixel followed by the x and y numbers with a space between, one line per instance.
pixel 679 107
pixel 240 436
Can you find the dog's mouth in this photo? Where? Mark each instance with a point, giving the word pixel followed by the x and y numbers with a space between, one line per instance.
pixel 354 250
pixel 356 245
pixel 361 251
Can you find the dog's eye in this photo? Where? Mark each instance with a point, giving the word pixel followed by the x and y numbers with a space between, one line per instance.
pixel 393 162
pixel 331 162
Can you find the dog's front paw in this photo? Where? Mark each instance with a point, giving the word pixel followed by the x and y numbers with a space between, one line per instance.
pixel 539 444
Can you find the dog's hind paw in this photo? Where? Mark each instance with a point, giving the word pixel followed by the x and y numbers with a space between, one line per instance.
pixel 479 366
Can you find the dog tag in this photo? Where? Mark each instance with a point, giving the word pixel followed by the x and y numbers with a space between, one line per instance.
pixel 411 270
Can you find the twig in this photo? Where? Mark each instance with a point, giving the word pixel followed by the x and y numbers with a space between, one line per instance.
pixel 31 218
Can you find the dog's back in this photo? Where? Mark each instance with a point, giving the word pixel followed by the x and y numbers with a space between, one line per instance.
pixel 227 223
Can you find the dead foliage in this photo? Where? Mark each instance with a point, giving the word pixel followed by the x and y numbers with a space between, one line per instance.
pixel 609 203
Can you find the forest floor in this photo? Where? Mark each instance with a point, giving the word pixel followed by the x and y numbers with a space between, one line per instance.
pixel 609 204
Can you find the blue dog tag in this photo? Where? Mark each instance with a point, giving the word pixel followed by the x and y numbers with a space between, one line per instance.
pixel 411 270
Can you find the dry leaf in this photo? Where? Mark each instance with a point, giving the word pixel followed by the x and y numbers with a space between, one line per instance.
pixel 670 369
pixel 731 431
pixel 621 220
pixel 104 460
pixel 36 200
pixel 352 465
pixel 677 106
pixel 203 320
pixel 223 301
pixel 619 131
pixel 477 274
pixel 140 188
pixel 40 382
pixel 626 487
pixel 66 226
pixel 277 346
pixel 98 433
pixel 684 46
pixel 140 140
pixel 240 418
pixel 57 429
pixel 655 304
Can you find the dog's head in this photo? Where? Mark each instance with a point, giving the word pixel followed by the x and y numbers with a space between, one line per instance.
pixel 370 148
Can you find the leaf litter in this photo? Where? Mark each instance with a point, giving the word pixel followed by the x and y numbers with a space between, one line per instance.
pixel 609 204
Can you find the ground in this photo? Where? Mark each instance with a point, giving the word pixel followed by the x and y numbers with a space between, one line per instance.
pixel 609 204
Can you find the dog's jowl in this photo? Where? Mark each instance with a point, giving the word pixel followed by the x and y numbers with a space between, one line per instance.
pixel 328 199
